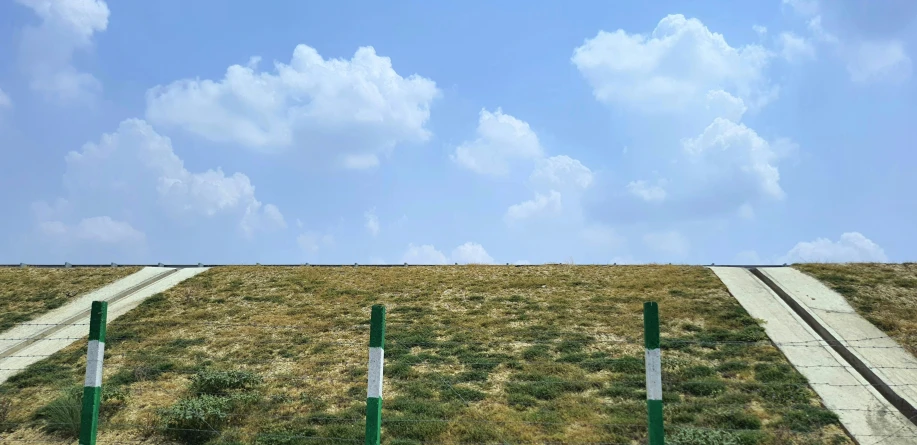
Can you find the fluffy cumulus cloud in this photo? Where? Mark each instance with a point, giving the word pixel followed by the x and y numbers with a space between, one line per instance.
pixel 542 205
pixel 730 148
pixel 471 253
pixel 671 68
pixel 501 140
pixel 424 254
pixel 852 247
pixel 562 172
pixel 505 144
pixel 133 174
pixel 468 253
pixel 347 111
pixel 47 49
pixel 705 86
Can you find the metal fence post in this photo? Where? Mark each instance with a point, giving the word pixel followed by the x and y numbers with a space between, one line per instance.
pixel 653 372
pixel 374 385
pixel 92 387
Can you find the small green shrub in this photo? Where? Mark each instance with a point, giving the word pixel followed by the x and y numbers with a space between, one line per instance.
pixel 222 382
pixel 198 419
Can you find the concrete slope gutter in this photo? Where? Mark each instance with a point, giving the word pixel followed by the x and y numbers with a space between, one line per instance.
pixel 32 341
pixel 881 359
pixel 866 415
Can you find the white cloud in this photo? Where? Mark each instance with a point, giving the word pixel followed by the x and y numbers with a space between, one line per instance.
pixel 670 242
pixel 870 61
pixel 562 172
pixel 471 253
pixel 501 139
pixel 46 50
pixel 794 48
pixel 468 253
pixel 670 69
pixel 99 229
pixel 372 222
pixel 733 149
pixel 541 205
pixel 312 242
pixel 351 111
pixel 851 247
pixel 134 171
pixel 5 101
pixel 647 192
pixel 424 254
pixel 725 105
pixel 761 31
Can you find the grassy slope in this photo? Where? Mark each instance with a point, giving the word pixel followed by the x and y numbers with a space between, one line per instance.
pixel 28 292
pixel 473 354
pixel 885 294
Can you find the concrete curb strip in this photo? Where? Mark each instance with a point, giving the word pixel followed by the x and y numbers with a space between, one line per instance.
pixel 866 415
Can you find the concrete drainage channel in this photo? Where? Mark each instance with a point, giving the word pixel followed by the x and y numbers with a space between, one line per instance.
pixel 861 374
pixel 29 342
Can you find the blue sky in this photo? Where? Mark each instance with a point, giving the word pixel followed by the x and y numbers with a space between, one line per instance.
pixel 440 132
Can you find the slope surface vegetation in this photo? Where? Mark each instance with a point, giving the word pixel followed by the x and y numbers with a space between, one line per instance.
pixel 28 292
pixel 884 294
pixel 480 354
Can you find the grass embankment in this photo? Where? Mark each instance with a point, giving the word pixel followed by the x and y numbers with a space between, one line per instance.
pixel 884 294
pixel 27 292
pixel 473 354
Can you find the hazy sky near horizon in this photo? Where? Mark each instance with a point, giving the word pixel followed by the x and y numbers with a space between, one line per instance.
pixel 439 132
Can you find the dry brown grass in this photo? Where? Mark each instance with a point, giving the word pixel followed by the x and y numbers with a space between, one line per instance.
pixel 884 294
pixel 26 292
pixel 473 354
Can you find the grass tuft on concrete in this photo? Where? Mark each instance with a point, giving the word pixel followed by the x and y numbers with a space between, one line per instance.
pixel 277 355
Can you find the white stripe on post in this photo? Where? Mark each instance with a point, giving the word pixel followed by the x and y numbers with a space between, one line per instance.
pixel 374 387
pixel 653 374
pixel 95 354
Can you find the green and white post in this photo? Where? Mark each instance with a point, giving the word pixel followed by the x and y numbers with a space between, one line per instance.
pixel 653 372
pixel 374 386
pixel 92 388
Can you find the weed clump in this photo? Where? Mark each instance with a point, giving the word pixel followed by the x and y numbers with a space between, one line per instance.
pixel 217 399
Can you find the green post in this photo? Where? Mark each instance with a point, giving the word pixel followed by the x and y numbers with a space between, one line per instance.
pixel 653 372
pixel 374 386
pixel 92 387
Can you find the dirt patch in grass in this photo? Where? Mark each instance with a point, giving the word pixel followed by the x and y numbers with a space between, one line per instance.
pixel 26 292
pixel 884 294
pixel 473 354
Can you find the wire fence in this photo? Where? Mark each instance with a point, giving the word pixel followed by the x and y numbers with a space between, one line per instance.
pixel 320 398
